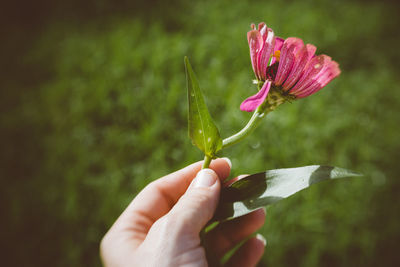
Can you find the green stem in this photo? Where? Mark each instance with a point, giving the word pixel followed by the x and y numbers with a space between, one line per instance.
pixel 275 98
pixel 248 129
pixel 207 161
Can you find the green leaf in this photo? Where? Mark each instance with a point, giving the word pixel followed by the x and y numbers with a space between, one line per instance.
pixel 202 130
pixel 263 189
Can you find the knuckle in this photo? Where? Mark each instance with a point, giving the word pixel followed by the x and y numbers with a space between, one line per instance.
pixel 200 196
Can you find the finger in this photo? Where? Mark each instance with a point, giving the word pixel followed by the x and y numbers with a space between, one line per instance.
pixel 227 235
pixel 157 198
pixel 161 195
pixel 197 206
pixel 221 166
pixel 249 254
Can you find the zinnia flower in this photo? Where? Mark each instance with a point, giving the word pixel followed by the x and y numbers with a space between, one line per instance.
pixel 288 66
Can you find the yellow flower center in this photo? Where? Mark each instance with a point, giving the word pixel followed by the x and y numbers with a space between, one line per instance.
pixel 277 55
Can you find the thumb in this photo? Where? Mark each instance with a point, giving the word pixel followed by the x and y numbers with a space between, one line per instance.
pixel 197 206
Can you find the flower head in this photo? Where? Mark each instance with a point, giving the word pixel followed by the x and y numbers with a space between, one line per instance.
pixel 287 65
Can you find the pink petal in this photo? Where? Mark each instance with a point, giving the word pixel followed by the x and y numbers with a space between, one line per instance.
pixel 255 44
pixel 334 71
pixel 278 46
pixel 262 28
pixel 287 58
pixel 265 54
pixel 301 59
pixel 252 103
pixel 325 76
pixel 313 67
pixel 278 43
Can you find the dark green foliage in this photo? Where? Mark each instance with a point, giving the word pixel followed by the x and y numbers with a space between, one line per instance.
pixel 92 108
pixel 266 188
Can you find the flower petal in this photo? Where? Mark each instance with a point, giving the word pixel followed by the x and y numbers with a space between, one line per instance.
pixel 313 67
pixel 324 77
pixel 278 43
pixel 301 59
pixel 255 44
pixel 262 28
pixel 278 46
pixel 252 103
pixel 265 54
pixel 287 58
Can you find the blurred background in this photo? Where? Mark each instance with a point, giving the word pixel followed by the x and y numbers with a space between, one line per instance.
pixel 93 108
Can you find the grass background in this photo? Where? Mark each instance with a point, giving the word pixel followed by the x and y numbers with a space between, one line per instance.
pixel 93 108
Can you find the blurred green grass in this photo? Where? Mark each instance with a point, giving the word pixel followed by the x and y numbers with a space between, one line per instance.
pixel 94 108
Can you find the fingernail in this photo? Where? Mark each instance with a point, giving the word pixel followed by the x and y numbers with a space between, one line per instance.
pixel 205 178
pixel 228 161
pixel 262 239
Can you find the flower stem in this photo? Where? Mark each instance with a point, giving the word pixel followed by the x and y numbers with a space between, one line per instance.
pixel 248 129
pixel 274 99
pixel 207 161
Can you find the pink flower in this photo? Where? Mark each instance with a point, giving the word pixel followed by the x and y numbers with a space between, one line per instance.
pixel 286 65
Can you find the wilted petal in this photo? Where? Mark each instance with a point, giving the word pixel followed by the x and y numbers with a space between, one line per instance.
pixel 301 59
pixel 262 28
pixel 255 44
pixel 251 103
pixel 265 54
pixel 289 49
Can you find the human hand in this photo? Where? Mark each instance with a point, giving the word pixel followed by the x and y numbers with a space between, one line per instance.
pixel 161 226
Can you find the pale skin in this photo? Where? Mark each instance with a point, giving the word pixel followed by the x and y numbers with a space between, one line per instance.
pixel 161 226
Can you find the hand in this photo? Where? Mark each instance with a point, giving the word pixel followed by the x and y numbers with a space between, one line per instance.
pixel 161 226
